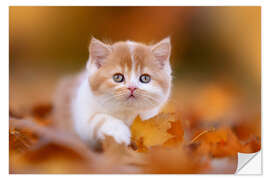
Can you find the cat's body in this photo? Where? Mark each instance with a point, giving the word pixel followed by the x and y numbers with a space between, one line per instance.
pixel 121 81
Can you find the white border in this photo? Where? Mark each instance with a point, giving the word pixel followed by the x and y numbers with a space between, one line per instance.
pixel 137 2
pixel 5 91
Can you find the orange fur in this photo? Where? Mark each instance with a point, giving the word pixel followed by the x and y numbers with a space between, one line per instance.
pixel 121 58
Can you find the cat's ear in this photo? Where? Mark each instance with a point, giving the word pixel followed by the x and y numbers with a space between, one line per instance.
pixel 162 51
pixel 98 52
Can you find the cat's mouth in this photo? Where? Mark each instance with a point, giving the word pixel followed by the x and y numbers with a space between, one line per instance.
pixel 131 96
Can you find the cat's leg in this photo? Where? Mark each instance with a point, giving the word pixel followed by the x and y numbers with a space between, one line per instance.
pixel 102 125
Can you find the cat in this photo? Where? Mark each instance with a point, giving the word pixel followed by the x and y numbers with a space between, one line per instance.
pixel 121 81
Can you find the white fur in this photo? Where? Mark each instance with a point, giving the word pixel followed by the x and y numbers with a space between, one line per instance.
pixel 132 80
pixel 84 106
pixel 116 119
pixel 115 128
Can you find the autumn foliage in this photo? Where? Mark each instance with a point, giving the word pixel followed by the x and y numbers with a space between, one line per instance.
pixel 178 140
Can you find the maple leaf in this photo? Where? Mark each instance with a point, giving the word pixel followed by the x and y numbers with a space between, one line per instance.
pixel 140 145
pixel 154 130
pixel 177 131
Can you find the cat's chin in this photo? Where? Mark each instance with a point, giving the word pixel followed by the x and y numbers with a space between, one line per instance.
pixel 136 105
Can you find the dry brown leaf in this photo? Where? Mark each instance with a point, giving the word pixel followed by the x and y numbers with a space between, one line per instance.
pixel 164 160
pixel 120 152
pixel 252 145
pixel 218 143
pixel 60 152
pixel 158 147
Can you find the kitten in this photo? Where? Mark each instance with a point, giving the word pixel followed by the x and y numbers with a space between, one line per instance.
pixel 121 81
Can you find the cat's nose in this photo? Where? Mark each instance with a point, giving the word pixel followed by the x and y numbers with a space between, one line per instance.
pixel 132 89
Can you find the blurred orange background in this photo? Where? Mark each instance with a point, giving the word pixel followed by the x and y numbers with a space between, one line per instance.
pixel 215 49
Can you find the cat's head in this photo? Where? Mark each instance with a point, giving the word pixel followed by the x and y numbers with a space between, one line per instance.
pixel 130 75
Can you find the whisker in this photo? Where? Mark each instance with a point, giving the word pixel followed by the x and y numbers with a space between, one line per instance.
pixel 112 96
pixel 149 97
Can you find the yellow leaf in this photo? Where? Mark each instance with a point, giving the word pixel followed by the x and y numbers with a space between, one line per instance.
pixel 153 131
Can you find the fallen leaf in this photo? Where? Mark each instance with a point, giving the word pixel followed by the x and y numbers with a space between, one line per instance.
pixel 219 143
pixel 177 131
pixel 154 130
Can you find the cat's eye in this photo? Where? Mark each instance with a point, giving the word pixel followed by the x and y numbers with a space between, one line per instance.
pixel 145 78
pixel 118 77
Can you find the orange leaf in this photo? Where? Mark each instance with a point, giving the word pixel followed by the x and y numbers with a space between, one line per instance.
pixel 177 131
pixel 218 143
pixel 153 131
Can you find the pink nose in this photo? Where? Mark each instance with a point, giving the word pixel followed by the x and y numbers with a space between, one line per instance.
pixel 132 89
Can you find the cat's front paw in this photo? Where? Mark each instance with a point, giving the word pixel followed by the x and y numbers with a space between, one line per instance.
pixel 117 129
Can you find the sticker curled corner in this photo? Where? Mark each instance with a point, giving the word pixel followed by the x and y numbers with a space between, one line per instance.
pixel 249 163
